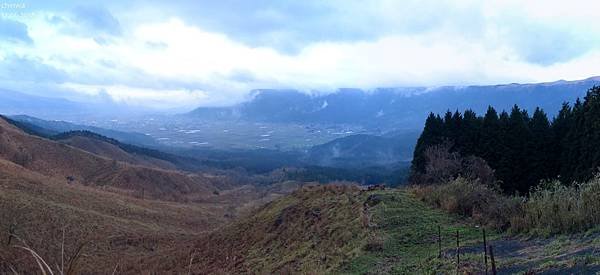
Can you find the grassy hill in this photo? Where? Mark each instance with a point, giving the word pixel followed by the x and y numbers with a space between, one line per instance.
pixel 328 229
pixel 344 230
pixel 69 164
pixel 312 230
pixel 114 229
pixel 113 149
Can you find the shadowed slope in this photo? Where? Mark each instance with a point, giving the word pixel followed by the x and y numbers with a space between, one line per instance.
pixel 61 161
pixel 112 151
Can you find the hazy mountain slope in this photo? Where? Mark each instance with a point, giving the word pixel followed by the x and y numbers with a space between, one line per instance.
pixel 12 102
pixel 363 151
pixel 60 161
pixel 56 127
pixel 397 108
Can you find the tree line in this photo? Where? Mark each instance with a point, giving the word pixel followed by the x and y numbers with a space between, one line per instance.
pixel 522 149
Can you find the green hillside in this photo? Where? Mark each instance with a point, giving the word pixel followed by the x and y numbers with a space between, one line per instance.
pixel 403 234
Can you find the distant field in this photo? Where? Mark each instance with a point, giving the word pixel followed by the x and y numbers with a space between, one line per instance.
pixel 197 133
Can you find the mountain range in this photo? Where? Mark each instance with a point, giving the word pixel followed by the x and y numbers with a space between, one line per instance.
pixel 394 108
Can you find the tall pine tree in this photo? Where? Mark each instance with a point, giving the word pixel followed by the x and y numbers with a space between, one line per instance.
pixel 540 148
pixel 433 133
pixel 561 126
pixel 491 146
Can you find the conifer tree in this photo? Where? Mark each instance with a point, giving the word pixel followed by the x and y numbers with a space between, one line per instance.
pixel 468 136
pixel 433 133
pixel 573 145
pixel 561 126
pixel 540 148
pixel 517 136
pixel 587 133
pixel 490 146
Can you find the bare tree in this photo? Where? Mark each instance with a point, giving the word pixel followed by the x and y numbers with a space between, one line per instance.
pixel 443 165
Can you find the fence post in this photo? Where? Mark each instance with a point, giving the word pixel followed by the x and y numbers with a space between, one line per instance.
pixel 457 252
pixel 493 261
pixel 439 241
pixel 485 251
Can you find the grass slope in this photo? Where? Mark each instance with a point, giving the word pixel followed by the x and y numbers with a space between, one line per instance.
pixel 112 151
pixel 403 237
pixel 403 240
pixel 117 229
pixel 313 230
pixel 331 229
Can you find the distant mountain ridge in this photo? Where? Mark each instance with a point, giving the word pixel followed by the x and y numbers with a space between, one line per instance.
pixel 53 127
pixel 395 108
pixel 12 102
pixel 105 146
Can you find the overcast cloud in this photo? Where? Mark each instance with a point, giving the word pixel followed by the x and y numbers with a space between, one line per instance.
pixel 183 54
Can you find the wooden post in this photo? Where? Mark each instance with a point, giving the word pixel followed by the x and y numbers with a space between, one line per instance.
pixel 485 252
pixel 439 241
pixel 493 261
pixel 457 251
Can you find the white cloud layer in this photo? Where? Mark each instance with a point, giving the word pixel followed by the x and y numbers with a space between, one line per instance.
pixel 162 58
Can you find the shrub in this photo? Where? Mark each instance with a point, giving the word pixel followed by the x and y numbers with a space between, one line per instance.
pixel 551 208
pixel 443 166
pixel 483 203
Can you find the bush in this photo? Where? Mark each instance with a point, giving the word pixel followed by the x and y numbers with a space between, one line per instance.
pixel 551 208
pixel 483 203
pixel 443 166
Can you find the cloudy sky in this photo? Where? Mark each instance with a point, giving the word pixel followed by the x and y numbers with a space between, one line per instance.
pixel 182 54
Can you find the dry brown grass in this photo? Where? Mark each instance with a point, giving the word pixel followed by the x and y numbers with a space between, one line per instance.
pixel 308 232
pixel 556 208
pixel 117 227
pixel 550 208
pixel 60 161
pixel 120 231
pixel 127 219
pixel 469 198
pixel 113 152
